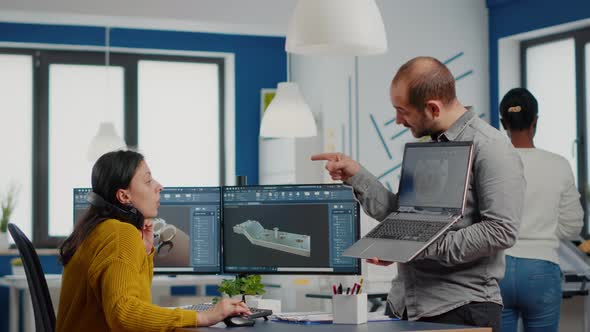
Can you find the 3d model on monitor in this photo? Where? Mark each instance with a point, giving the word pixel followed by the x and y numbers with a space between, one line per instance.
pixel 170 243
pixel 288 242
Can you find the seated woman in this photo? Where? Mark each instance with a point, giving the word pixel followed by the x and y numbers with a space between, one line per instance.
pixel 108 258
pixel 531 287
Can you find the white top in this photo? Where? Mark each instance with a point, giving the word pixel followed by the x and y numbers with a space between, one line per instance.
pixel 552 208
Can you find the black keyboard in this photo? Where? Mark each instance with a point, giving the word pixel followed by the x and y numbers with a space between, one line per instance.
pixel 414 230
pixel 256 313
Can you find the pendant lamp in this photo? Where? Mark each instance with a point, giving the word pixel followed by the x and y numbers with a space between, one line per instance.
pixel 288 115
pixel 106 139
pixel 336 27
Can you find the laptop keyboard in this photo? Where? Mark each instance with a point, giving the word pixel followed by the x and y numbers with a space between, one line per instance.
pixel 256 313
pixel 415 230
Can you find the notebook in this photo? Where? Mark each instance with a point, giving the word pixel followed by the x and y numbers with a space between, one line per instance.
pixel 432 191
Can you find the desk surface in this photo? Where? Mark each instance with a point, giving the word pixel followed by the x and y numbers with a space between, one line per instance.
pixel 393 326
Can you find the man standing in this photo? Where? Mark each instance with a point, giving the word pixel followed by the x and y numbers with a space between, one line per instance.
pixel 455 279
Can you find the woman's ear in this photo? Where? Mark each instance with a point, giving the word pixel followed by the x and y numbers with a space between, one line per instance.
pixel 123 196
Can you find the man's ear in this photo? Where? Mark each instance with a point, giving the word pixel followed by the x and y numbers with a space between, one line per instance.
pixel 123 196
pixel 434 107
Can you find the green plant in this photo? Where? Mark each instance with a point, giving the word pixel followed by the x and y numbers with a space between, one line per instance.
pixel 16 261
pixel 242 285
pixel 7 204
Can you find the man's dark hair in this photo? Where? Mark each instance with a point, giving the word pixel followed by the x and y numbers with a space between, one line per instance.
pixel 518 109
pixel 426 79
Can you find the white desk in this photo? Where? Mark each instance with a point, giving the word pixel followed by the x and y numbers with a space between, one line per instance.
pixel 16 283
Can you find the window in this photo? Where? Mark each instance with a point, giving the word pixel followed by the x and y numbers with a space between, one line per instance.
pixel 80 97
pixel 53 101
pixel 555 70
pixel 547 64
pixel 188 93
pixel 16 133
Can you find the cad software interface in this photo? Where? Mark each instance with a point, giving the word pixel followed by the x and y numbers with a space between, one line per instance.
pixel 186 231
pixel 289 229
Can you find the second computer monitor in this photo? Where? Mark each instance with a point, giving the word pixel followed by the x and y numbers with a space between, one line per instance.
pixel 187 231
pixel 289 229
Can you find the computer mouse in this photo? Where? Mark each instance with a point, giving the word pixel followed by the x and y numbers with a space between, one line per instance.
pixel 234 321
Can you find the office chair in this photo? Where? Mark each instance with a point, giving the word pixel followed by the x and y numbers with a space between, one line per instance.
pixel 42 306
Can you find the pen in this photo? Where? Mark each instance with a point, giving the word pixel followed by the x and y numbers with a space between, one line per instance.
pixel 340 288
pixel 358 291
pixel 348 291
pixel 354 288
pixel 334 289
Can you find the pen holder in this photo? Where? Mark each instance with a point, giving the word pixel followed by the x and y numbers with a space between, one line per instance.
pixel 349 309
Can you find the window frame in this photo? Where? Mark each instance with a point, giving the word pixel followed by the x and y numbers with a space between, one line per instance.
pixel 42 59
pixel 581 37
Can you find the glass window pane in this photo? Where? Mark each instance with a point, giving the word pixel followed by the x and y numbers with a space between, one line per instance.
pixel 80 97
pixel 16 133
pixel 587 92
pixel 179 121
pixel 551 77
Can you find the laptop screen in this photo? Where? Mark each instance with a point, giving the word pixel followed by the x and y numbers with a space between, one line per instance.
pixel 434 176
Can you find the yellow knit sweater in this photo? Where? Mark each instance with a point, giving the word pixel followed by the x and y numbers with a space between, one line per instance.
pixel 106 286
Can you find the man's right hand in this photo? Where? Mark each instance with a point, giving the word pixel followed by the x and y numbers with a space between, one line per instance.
pixel 340 166
pixel 376 261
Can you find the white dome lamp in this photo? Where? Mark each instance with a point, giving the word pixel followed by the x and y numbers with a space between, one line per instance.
pixel 288 115
pixel 336 27
pixel 106 138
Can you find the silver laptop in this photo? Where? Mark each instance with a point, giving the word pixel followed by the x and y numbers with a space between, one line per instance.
pixel 432 192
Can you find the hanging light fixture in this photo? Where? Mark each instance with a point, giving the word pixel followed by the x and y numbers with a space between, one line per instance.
pixel 106 139
pixel 288 115
pixel 336 27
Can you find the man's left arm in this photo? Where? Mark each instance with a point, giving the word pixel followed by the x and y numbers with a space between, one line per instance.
pixel 500 186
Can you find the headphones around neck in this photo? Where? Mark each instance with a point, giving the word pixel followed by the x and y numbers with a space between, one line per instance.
pixel 125 213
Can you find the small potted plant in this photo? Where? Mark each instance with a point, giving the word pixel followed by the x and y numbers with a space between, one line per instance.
pixel 17 266
pixel 7 205
pixel 249 285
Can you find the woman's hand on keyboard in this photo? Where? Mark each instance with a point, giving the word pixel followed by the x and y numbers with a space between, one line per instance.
pixel 223 309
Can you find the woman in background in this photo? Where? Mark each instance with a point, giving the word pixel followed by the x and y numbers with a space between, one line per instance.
pixel 108 258
pixel 531 288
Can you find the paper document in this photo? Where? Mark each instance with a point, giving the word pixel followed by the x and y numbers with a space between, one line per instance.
pixel 324 317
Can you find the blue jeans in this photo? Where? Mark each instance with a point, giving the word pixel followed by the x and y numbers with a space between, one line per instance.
pixel 531 289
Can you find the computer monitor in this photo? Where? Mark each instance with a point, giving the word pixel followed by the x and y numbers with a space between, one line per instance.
pixel 289 229
pixel 187 231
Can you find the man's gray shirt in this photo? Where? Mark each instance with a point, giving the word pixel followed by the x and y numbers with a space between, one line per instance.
pixel 466 263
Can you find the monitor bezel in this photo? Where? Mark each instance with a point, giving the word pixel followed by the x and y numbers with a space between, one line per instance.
pixel 358 270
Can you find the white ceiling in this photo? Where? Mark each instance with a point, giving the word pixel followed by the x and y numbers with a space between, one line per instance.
pixel 269 17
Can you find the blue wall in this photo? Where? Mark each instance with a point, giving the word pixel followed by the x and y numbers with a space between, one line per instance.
pixel 510 17
pixel 50 265
pixel 260 62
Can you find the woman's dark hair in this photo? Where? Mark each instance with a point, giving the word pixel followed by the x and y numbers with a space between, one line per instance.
pixel 518 109
pixel 111 172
